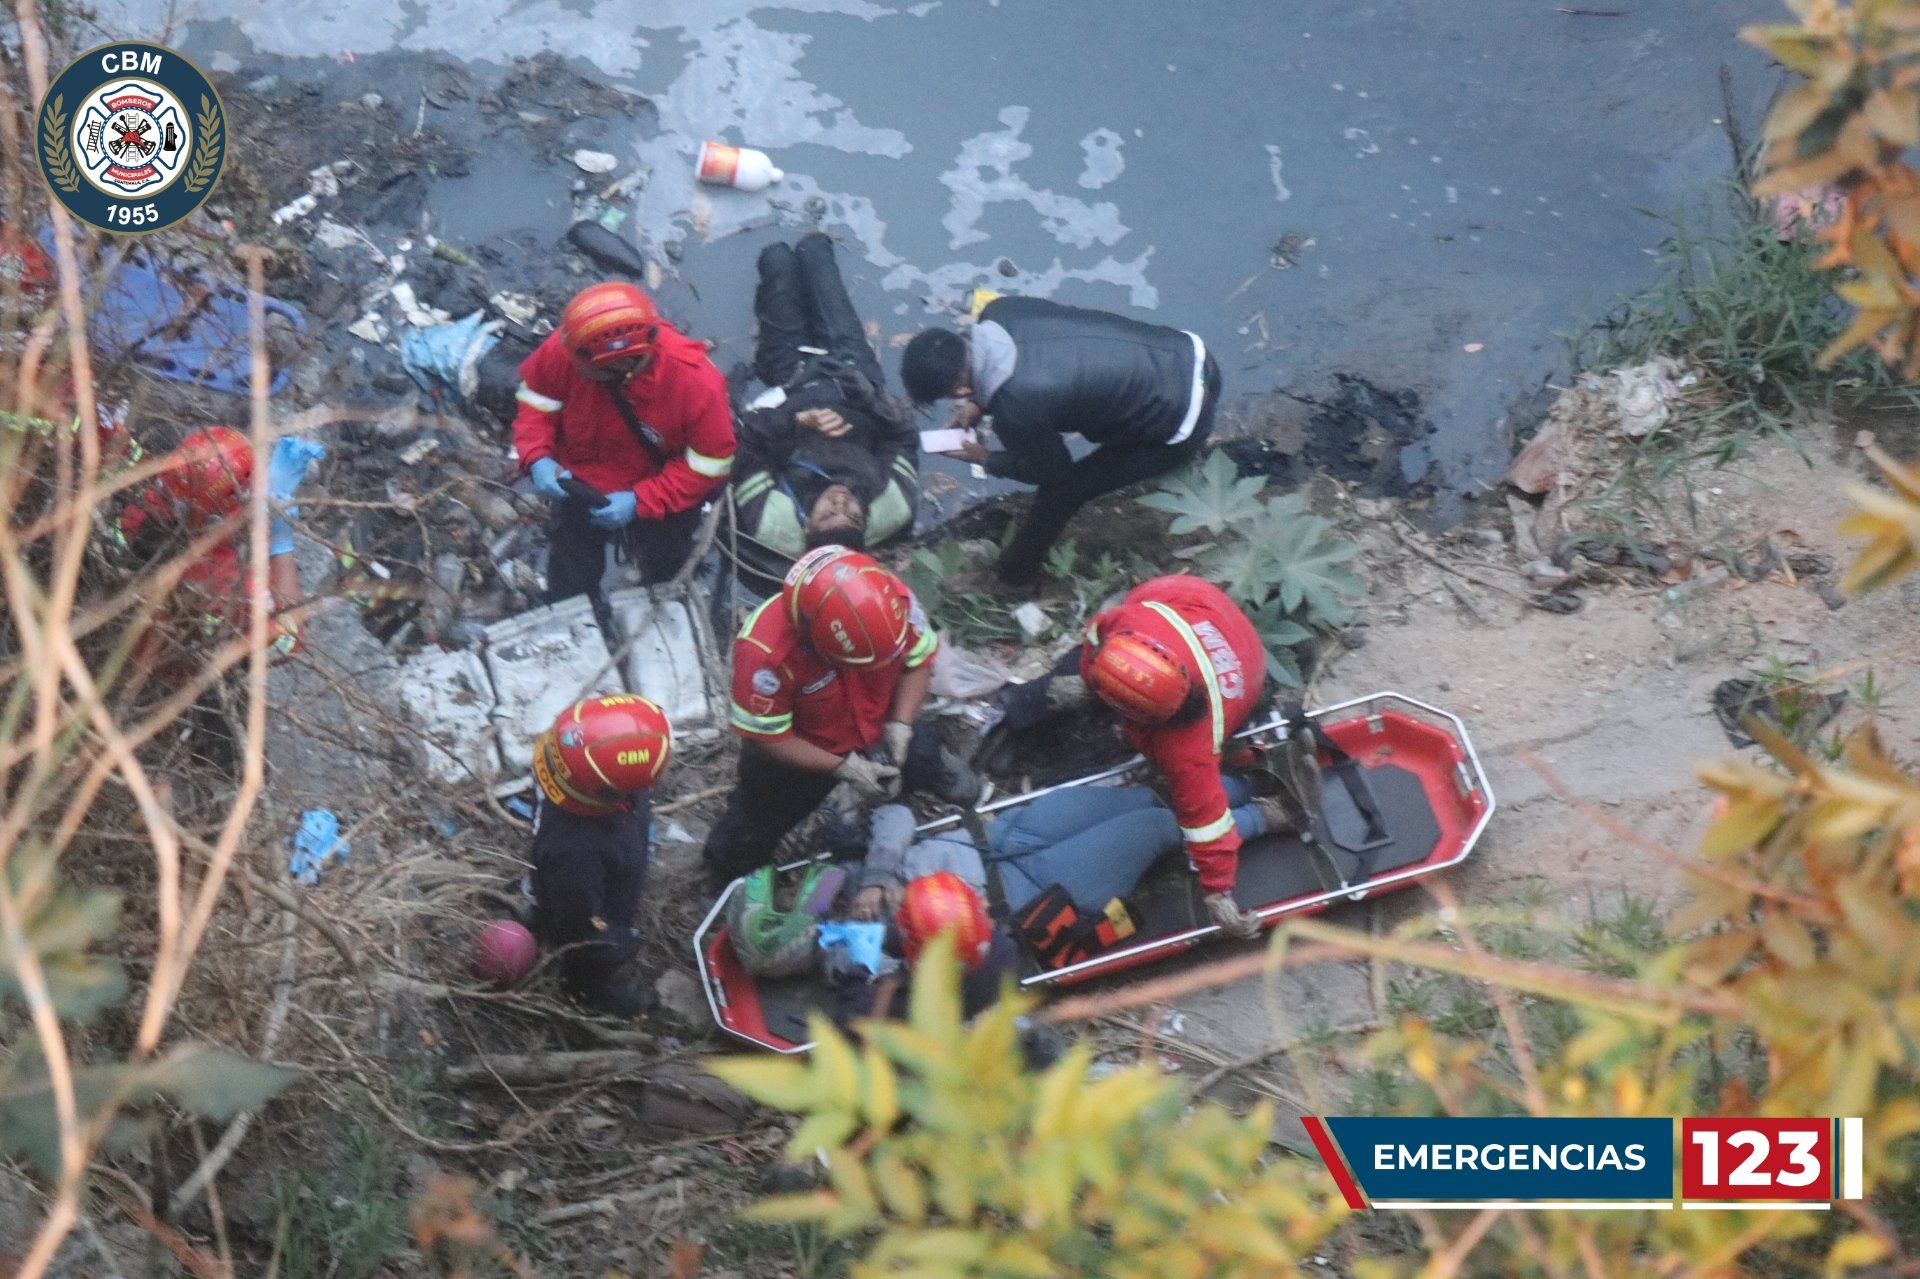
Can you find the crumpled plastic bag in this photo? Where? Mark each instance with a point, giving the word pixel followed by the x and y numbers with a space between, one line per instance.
pixel 316 843
pixel 1644 394
pixel 863 943
pixel 449 355
pixel 966 676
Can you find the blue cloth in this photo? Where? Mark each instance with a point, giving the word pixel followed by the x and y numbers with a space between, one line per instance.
pixel 436 356
pixel 546 479
pixel 863 943
pixel 1094 841
pixel 619 510
pixel 316 843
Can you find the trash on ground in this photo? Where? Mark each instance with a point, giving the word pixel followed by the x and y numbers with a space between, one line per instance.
pixel 517 307
pixel 294 210
pixel 967 676
pixel 449 355
pixel 1542 461
pixel 369 328
pixel 1792 709
pixel 606 248
pixel 1644 395
pixel 595 161
pixel 1033 620
pixel 1698 584
pixel 1800 213
pixel 316 843
pixel 741 168
pixel 421 317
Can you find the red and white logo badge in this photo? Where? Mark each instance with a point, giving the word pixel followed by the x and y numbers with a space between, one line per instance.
pixel 132 137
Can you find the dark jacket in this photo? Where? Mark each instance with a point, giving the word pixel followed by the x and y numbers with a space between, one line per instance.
pixel 1111 379
pixel 782 467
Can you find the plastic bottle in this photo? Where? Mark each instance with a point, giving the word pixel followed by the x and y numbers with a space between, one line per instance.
pixel 741 168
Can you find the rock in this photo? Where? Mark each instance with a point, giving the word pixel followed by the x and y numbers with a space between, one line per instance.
pixel 682 999
pixel 1542 460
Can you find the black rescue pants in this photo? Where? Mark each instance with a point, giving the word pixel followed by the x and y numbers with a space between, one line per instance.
pixel 588 874
pixel 802 301
pixel 1108 468
pixel 577 550
pixel 769 799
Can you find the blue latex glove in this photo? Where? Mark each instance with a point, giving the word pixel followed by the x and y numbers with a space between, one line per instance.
pixel 288 465
pixel 862 942
pixel 546 479
pixel 279 535
pixel 618 511
pixel 315 843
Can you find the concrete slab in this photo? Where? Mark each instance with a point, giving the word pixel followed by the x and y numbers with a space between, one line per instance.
pixel 541 663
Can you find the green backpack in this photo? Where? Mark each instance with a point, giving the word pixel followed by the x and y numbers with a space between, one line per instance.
pixel 771 942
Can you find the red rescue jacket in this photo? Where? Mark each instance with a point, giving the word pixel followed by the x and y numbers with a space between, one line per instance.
pixel 680 398
pixel 1197 619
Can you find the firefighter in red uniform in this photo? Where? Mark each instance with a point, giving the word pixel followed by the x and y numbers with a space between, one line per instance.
pixel 617 400
pixel 1183 667
pixel 828 678
pixel 596 768
pixel 204 482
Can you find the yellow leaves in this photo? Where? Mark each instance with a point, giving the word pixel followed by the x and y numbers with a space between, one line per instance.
pixel 1057 1087
pixel 934 1009
pixel 1850 1251
pixel 1892 523
pixel 881 1101
pixel 783 1082
pixel 900 1186
pixel 836 1072
pixel 1787 938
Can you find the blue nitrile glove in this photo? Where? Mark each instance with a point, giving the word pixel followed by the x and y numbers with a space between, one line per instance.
pixel 279 535
pixel 862 942
pixel 288 465
pixel 618 511
pixel 316 843
pixel 546 479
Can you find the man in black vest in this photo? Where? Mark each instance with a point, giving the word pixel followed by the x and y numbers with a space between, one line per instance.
pixel 1143 394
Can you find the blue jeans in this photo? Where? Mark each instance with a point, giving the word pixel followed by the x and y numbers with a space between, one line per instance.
pixel 1094 841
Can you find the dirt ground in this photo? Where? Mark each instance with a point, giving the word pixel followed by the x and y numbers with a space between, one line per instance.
pixel 1613 701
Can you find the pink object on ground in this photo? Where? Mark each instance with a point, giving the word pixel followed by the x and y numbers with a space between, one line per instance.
pixel 504 953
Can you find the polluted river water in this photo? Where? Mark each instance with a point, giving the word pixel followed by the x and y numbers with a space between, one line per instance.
pixel 1413 199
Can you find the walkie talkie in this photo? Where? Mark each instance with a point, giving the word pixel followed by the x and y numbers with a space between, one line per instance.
pixel 581 491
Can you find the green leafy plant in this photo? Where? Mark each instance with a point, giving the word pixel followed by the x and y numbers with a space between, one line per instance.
pixel 953 1161
pixel 1282 563
pixel 967 617
pixel 344 1220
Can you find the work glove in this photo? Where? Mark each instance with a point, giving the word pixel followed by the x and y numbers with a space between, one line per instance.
pixel 546 479
pixel 288 465
pixel 871 778
pixel 898 738
pixel 618 511
pixel 1234 922
pixel 279 535
pixel 1066 692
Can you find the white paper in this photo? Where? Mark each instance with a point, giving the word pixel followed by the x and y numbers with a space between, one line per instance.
pixel 950 440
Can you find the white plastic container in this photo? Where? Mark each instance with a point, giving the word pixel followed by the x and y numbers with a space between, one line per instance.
pixel 450 695
pixel 663 665
pixel 543 662
pixel 741 168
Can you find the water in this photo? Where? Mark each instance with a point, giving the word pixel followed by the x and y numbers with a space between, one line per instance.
pixel 1436 175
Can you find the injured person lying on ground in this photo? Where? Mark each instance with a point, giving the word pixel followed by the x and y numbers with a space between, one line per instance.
pixel 826 458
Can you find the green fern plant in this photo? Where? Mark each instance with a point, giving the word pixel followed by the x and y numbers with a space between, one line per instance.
pixel 953 1161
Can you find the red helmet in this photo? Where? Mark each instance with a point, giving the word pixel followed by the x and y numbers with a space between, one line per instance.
pixel 942 902
pixel 609 322
pixel 1139 677
pixel 602 750
pixel 208 474
pixel 853 612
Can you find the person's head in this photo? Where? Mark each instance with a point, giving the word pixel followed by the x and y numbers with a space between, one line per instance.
pixel 944 903
pixel 611 330
pixel 852 611
pixel 207 476
pixel 837 518
pixel 934 366
pixel 1143 680
pixel 601 752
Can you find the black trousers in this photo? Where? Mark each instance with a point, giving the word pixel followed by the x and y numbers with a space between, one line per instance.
pixel 588 875
pixel 769 799
pixel 1108 468
pixel 577 550
pixel 801 301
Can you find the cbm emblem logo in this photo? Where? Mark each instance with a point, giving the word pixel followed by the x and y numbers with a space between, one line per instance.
pixel 132 137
